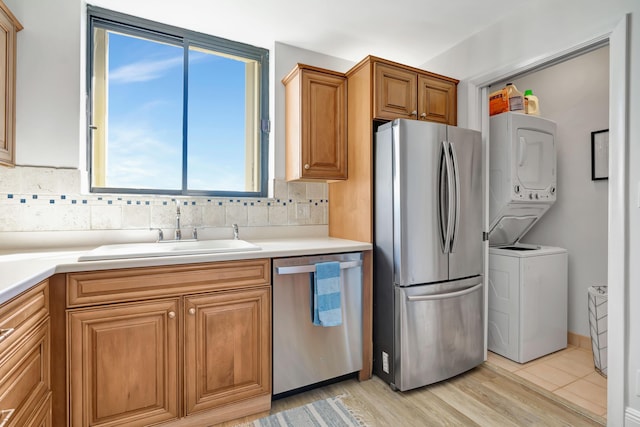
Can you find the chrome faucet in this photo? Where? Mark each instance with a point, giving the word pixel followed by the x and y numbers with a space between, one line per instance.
pixel 178 234
pixel 160 234
pixel 235 231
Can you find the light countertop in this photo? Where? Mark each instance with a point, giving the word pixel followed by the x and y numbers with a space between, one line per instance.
pixel 21 271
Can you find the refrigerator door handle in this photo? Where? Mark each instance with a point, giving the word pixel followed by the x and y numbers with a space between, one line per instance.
pixel 415 298
pixel 449 196
pixel 442 194
pixel 456 207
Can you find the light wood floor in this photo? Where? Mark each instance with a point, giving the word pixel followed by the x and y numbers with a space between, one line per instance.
pixel 485 396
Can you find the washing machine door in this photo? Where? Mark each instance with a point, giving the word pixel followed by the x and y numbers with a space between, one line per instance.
pixel 535 160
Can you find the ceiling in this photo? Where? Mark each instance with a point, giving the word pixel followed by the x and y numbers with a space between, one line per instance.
pixel 406 31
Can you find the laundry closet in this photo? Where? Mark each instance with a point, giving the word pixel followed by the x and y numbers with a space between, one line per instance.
pixel 548 218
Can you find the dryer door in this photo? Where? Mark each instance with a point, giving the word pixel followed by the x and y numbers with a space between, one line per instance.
pixel 535 160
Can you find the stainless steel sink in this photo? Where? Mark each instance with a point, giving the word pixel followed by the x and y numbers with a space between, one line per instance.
pixel 167 248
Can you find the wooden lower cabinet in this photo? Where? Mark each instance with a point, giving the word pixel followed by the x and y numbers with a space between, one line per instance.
pixel 24 379
pixel 185 358
pixel 25 369
pixel 123 364
pixel 227 348
pixel 43 416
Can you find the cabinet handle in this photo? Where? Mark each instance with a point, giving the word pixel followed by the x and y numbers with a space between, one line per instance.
pixel 4 334
pixel 423 115
pixel 4 416
pixel 413 113
pixel 306 166
pixel 192 311
pixel 172 314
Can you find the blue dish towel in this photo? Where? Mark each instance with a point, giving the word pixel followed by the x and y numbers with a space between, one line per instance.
pixel 327 309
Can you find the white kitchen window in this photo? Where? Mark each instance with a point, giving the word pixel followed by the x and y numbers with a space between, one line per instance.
pixel 173 111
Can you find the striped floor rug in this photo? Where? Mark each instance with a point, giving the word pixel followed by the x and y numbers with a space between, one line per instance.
pixel 330 412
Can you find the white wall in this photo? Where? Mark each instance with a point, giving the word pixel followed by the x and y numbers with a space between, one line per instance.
pixel 48 95
pixel 578 102
pixel 551 28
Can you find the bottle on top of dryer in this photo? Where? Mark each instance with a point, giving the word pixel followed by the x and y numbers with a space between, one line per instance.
pixel 516 100
pixel 531 104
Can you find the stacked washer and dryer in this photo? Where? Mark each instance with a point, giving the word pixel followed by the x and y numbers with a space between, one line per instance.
pixel 528 284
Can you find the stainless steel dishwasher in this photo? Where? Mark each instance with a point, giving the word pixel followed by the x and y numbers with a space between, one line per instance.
pixel 305 354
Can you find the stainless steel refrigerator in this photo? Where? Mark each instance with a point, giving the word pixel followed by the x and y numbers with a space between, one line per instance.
pixel 428 293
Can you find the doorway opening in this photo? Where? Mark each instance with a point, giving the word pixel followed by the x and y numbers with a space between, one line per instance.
pixel 573 92
pixel 617 253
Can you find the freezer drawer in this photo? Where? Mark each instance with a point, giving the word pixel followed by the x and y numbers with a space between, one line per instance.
pixel 440 331
pixel 305 354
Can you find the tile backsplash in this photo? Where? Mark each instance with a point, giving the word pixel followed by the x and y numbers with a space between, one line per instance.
pixel 48 199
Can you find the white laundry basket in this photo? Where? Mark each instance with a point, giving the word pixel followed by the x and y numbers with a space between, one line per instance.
pixel 598 325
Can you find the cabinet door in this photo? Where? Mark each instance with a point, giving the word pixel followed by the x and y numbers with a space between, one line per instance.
pixel 21 314
pixel 394 94
pixel 43 417
pixel 25 378
pixel 9 25
pixel 437 100
pixel 316 124
pixel 123 364
pixel 324 127
pixel 227 347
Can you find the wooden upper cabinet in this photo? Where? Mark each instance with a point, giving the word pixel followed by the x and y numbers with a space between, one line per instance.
pixel 400 91
pixel 395 94
pixel 316 124
pixel 9 26
pixel 437 100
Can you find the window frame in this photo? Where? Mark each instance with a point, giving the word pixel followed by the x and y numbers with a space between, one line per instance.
pixel 156 31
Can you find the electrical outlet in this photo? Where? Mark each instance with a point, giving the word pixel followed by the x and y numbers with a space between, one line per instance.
pixel 385 362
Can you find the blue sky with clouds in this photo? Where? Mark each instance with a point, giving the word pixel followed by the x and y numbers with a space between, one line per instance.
pixel 146 115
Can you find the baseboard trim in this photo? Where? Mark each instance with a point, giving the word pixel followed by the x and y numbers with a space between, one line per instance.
pixel 631 417
pixel 578 340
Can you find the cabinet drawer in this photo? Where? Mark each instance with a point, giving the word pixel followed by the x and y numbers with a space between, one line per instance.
pixel 43 416
pixel 22 313
pixel 25 378
pixel 105 287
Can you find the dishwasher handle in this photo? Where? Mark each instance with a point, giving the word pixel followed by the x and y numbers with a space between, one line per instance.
pixel 311 268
